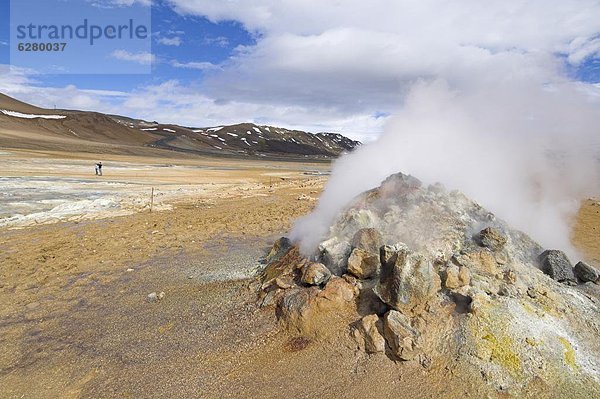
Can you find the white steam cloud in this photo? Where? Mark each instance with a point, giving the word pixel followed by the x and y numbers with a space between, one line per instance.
pixel 522 141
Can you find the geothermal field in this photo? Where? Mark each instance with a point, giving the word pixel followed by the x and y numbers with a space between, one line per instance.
pixel 315 199
pixel 199 297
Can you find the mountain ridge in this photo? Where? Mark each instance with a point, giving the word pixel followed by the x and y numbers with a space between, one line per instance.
pixel 48 129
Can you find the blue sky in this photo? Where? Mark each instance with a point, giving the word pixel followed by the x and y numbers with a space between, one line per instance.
pixel 315 65
pixel 183 40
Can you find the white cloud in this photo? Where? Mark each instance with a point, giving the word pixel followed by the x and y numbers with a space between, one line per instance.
pixel 143 58
pixel 170 41
pixel 119 3
pixel 359 57
pixel 203 66
pixel 220 41
pixel 581 49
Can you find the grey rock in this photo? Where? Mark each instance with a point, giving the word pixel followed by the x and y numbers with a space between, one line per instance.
pixel 585 272
pixel 152 297
pixel 555 264
pixel 407 282
pixel 389 253
pixel 334 254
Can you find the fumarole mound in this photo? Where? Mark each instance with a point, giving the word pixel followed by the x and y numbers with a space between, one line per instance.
pixel 424 275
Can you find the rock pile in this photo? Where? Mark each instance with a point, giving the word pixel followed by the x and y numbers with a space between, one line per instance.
pixel 422 274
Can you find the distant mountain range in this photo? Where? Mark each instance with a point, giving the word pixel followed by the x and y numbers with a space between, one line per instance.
pixel 25 126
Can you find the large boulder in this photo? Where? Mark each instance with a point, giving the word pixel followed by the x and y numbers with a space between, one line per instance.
pixel 296 309
pixel 491 238
pixel 556 265
pixel 368 240
pixel 334 253
pixel 407 281
pixel 311 310
pixel 585 272
pixel 400 335
pixel 363 264
pixel 315 274
pixel 368 334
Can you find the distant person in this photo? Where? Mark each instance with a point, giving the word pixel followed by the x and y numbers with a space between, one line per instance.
pixel 99 169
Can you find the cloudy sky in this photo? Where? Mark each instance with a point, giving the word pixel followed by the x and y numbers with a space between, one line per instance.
pixel 321 65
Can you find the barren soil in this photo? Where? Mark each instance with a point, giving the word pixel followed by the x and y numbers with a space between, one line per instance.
pixel 75 322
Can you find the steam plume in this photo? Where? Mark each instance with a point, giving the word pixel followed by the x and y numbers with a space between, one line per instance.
pixel 520 140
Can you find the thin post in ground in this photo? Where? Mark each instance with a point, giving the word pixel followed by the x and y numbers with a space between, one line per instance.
pixel 152 199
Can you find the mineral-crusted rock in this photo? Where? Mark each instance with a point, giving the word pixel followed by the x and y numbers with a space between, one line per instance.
pixel 464 276
pixel 389 253
pixel 307 309
pixel 491 238
pixel 368 239
pixel 337 294
pixel 399 335
pixel 315 274
pixel 407 282
pixel 296 308
pixel 455 276
pixel 368 334
pixel 585 272
pixel 334 254
pixel 284 282
pixel 363 264
pixel 481 261
pixel 556 265
pixel 286 266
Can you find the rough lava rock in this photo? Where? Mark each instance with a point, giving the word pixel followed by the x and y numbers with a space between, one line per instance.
pixel 585 272
pixel 363 264
pixel 491 238
pixel 455 276
pixel 334 253
pixel 556 265
pixel 315 274
pixel 368 240
pixel 400 335
pixel 280 248
pixel 368 334
pixel 407 281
